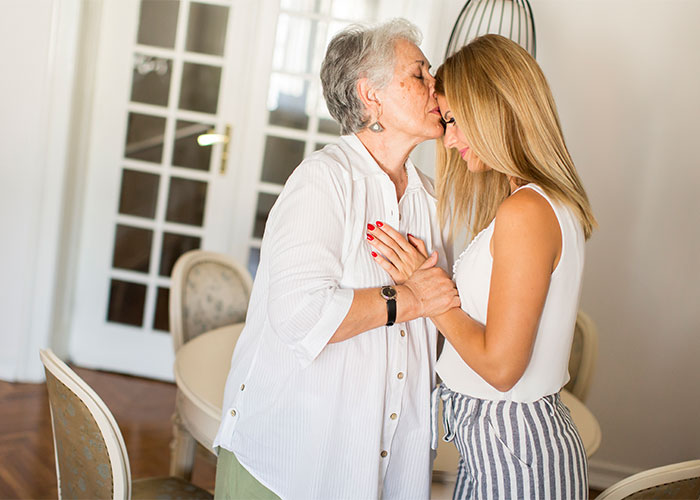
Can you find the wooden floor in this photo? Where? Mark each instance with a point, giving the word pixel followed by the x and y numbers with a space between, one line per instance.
pixel 141 407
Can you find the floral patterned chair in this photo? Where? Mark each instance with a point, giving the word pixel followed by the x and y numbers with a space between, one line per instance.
pixel 208 290
pixel 91 458
pixel 675 481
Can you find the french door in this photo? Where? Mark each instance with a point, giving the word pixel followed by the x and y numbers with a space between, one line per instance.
pixel 169 72
pixel 201 110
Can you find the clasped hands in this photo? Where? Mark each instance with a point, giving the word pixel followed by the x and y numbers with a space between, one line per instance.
pixel 408 263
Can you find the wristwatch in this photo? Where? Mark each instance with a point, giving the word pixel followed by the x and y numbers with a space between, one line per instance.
pixel 389 294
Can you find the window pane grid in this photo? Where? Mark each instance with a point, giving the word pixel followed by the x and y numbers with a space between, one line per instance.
pixel 172 227
pixel 142 166
pixel 149 323
pixel 305 103
pixel 157 145
pixel 129 276
pixel 147 109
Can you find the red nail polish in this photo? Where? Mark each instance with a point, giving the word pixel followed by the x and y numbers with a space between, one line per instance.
pixel 374 254
pixel 379 223
pixel 370 227
pixel 409 234
pixel 370 237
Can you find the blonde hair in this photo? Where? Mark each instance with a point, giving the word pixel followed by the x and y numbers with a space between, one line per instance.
pixel 502 103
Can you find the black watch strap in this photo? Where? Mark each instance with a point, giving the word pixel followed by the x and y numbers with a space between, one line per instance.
pixel 390 312
pixel 389 294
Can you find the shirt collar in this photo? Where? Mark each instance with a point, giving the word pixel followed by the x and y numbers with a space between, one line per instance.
pixel 367 166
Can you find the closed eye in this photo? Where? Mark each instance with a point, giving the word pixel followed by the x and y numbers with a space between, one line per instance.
pixel 445 123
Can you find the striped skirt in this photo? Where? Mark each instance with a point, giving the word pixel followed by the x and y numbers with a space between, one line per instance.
pixel 512 450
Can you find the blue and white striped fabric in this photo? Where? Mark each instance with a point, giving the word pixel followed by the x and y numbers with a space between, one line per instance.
pixel 512 450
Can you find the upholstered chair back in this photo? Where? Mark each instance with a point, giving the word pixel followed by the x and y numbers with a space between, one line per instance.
pixel 208 290
pixel 584 352
pixel 676 481
pixel 91 458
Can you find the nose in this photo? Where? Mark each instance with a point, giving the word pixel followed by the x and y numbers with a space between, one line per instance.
pixel 431 85
pixel 449 139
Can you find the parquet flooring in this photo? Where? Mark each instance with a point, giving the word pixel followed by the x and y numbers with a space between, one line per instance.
pixel 142 408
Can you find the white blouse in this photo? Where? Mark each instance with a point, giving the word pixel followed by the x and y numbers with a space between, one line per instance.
pixel 310 419
pixel 547 371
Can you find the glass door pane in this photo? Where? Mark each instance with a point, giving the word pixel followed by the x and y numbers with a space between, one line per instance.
pixel 166 175
pixel 298 121
pixel 297 118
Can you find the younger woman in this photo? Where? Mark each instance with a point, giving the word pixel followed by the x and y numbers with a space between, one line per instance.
pixel 506 174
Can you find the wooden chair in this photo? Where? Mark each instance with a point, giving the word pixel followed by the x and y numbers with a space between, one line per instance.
pixel 91 458
pixel 675 481
pixel 208 290
pixel 584 352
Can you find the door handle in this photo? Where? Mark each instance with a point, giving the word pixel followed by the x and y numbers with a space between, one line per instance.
pixel 211 138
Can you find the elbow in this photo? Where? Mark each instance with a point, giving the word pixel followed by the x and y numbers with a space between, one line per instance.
pixel 505 378
pixel 503 386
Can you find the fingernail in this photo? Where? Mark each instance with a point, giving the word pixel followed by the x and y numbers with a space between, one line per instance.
pixel 379 223
pixel 374 254
pixel 371 227
pixel 409 234
pixel 370 237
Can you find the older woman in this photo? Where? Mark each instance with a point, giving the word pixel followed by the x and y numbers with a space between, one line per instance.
pixel 328 394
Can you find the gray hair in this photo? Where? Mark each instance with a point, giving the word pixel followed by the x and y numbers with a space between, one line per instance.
pixel 357 52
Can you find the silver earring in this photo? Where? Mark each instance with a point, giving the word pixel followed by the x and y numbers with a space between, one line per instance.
pixel 376 127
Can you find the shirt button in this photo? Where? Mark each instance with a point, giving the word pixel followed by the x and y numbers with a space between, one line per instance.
pixel 384 453
pixel 233 413
pixel 400 375
pixel 403 333
pixel 242 386
pixel 393 416
pixel 399 216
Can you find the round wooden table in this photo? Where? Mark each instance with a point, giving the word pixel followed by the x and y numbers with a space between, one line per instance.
pixel 202 365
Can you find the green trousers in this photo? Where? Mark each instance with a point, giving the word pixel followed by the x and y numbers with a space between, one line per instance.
pixel 233 482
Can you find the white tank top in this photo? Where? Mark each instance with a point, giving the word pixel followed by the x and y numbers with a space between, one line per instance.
pixel 547 371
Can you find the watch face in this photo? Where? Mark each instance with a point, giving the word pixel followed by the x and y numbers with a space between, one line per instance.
pixel 389 292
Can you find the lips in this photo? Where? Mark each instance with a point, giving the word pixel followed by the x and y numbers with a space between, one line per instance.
pixel 463 152
pixel 436 111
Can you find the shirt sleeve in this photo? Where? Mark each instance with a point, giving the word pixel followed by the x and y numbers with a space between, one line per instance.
pixel 304 241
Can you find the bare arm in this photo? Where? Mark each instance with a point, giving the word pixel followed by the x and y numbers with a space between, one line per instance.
pixel 526 246
pixel 427 292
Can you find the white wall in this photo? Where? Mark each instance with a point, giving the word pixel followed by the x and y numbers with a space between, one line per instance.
pixel 626 78
pixel 37 46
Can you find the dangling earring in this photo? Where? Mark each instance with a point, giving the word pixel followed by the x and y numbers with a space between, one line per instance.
pixel 376 127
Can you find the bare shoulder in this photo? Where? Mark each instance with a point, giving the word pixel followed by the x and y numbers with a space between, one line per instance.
pixel 527 207
pixel 527 218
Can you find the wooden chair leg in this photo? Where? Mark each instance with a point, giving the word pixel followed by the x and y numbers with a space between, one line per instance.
pixel 182 450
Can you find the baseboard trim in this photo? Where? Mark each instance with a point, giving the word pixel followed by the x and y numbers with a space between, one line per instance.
pixel 602 474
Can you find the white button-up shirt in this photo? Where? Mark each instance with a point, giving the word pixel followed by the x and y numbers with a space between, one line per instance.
pixel 351 419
